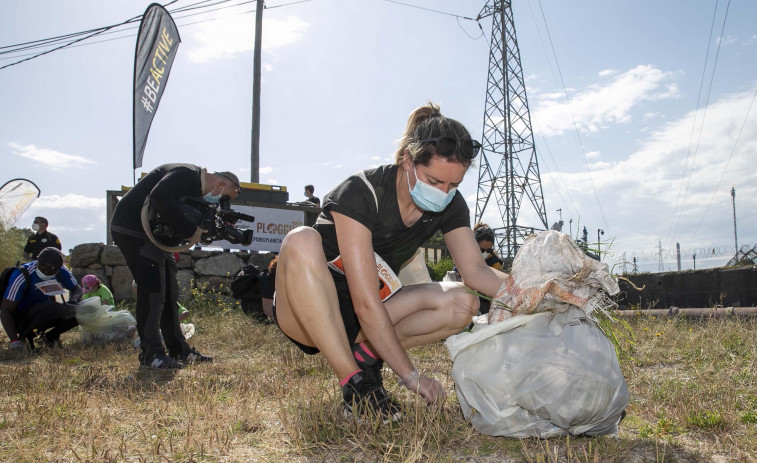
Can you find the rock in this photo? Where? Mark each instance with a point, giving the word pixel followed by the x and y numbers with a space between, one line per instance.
pixel 185 261
pixel 220 265
pixel 86 254
pixel 95 266
pixel 261 261
pixel 121 283
pixel 111 255
pixel 79 273
pixel 214 283
pixel 200 254
pixel 185 278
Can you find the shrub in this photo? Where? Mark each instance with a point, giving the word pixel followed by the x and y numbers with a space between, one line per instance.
pixel 706 419
pixel 12 242
pixel 441 268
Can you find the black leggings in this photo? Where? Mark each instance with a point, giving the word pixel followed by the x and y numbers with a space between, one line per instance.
pixel 154 271
pixel 44 316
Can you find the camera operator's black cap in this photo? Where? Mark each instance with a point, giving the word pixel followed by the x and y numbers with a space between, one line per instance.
pixel 50 256
pixel 230 177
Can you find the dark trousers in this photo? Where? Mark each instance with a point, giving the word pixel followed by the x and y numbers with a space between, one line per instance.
pixel 154 271
pixel 53 316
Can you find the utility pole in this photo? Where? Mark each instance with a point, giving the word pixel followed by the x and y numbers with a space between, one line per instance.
pixel 678 255
pixel 255 162
pixel 660 267
pixel 735 238
pixel 624 263
pixel 599 240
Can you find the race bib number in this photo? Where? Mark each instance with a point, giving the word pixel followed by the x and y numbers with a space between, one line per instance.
pixel 389 283
pixel 50 288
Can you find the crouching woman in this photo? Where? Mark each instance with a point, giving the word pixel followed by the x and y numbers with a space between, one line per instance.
pixel 330 298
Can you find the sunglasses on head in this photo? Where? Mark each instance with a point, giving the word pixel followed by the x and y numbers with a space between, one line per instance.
pixel 446 146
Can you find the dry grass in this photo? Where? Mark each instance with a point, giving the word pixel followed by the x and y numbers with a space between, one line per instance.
pixel 693 398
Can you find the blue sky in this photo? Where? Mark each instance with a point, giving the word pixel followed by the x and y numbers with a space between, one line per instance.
pixel 636 150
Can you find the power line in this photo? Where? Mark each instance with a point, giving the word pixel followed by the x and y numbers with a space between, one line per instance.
pixel 704 115
pixel 733 150
pixel 567 190
pixel 44 42
pixel 108 29
pixel 466 32
pixel 70 43
pixel 575 125
pixel 544 140
pixel 431 10
pixel 673 222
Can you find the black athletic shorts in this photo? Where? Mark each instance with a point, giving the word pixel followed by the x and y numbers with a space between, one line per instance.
pixel 351 323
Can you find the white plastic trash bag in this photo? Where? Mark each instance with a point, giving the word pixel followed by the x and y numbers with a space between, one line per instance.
pixel 452 275
pixel 543 375
pixel 538 365
pixel 98 324
pixel 551 273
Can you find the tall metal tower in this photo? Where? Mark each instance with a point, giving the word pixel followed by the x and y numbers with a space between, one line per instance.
pixel 508 168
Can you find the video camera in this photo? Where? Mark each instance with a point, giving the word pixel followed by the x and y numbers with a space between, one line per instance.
pixel 220 226
pixel 216 220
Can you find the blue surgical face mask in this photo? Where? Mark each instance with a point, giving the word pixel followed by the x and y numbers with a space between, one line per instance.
pixel 211 198
pixel 427 197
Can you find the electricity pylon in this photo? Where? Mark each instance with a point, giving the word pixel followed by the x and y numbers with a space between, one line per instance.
pixel 508 168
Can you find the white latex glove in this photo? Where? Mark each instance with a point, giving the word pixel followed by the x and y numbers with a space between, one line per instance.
pixel 429 388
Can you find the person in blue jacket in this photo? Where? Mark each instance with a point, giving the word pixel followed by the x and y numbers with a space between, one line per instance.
pixel 29 306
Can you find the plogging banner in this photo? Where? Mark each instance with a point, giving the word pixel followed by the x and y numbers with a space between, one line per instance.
pixel 269 229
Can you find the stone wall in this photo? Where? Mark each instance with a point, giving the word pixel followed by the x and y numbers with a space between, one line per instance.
pixel 729 287
pixel 207 269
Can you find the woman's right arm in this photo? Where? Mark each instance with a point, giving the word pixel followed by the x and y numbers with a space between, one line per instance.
pixel 356 250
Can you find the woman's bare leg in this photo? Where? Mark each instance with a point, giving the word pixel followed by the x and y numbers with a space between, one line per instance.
pixel 307 307
pixel 428 312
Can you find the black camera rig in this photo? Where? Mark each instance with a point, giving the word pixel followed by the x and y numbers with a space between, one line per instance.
pixel 220 226
pixel 217 222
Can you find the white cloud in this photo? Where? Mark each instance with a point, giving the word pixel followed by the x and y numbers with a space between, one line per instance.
pixel 265 170
pixel 227 37
pixel 607 72
pixel 751 40
pixel 69 201
pixel 727 40
pixel 598 106
pixel 51 158
pixel 556 96
pixel 642 194
pixel 592 154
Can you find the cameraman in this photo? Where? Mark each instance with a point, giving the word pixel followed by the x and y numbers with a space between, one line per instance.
pixel 154 269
